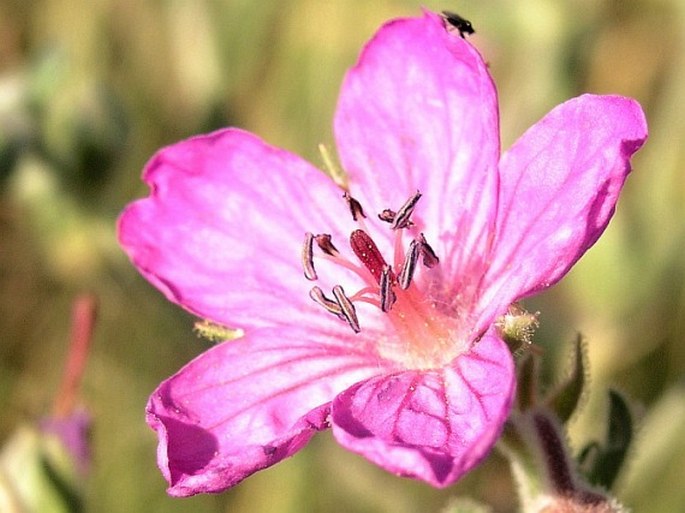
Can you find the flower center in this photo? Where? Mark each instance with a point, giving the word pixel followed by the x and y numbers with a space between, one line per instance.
pixel 423 334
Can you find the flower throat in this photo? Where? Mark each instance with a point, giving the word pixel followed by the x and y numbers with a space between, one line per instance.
pixel 390 289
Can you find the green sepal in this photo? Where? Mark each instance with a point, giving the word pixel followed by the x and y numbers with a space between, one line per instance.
pixel 516 327
pixel 216 332
pixel 333 170
pixel 602 463
pixel 568 395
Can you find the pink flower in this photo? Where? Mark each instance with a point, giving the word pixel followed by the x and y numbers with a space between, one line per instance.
pixel 391 338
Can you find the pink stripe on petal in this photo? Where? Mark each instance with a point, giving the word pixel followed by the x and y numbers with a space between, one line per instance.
pixel 419 112
pixel 247 404
pixel 559 187
pixel 222 231
pixel 434 425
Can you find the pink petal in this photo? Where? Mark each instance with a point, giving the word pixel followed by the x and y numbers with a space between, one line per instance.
pixel 222 230
pixel 419 112
pixel 434 425
pixel 558 189
pixel 245 405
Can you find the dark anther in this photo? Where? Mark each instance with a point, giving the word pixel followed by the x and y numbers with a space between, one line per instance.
pixel 347 308
pixel 355 207
pixel 367 251
pixel 409 265
pixel 402 218
pixel 461 24
pixel 323 240
pixel 430 259
pixel 387 215
pixel 388 297
pixel 308 257
pixel 318 296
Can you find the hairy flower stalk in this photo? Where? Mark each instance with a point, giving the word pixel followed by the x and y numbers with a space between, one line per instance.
pixel 545 472
pixel 369 305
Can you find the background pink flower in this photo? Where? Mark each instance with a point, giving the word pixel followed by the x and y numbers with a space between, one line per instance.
pixel 423 389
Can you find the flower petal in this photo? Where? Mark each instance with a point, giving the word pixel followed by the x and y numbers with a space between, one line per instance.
pixel 558 189
pixel 222 231
pixel 247 404
pixel 433 425
pixel 419 112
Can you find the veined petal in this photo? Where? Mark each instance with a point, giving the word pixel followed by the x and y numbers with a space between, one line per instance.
pixel 222 231
pixel 247 404
pixel 433 425
pixel 419 112
pixel 559 184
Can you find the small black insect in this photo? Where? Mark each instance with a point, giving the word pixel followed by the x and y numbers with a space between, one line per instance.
pixel 461 24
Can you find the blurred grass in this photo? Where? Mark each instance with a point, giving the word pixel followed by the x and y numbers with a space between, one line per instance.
pixel 89 90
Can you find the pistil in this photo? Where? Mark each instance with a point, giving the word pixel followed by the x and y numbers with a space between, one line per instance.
pixel 366 250
pixel 422 333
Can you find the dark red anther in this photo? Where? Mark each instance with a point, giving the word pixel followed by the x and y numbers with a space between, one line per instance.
pixel 355 207
pixel 367 251
pixel 387 215
pixel 323 240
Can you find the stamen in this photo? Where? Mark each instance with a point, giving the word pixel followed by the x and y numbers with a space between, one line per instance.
pixel 402 218
pixel 413 317
pixel 387 215
pixel 430 259
pixel 409 265
pixel 355 207
pixel 318 296
pixel 323 240
pixel 347 308
pixel 388 297
pixel 308 257
pixel 369 254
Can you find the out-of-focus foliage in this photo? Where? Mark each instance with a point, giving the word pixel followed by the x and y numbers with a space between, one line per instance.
pixel 88 91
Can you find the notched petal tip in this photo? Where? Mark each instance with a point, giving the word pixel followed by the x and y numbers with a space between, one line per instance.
pixel 622 118
pixel 637 120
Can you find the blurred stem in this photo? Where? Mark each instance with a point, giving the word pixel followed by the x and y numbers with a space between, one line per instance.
pixel 83 316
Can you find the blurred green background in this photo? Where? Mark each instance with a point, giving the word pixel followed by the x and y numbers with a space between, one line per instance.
pixel 89 89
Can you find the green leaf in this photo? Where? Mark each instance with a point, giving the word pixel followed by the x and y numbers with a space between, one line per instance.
pixel 564 401
pixel 603 463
